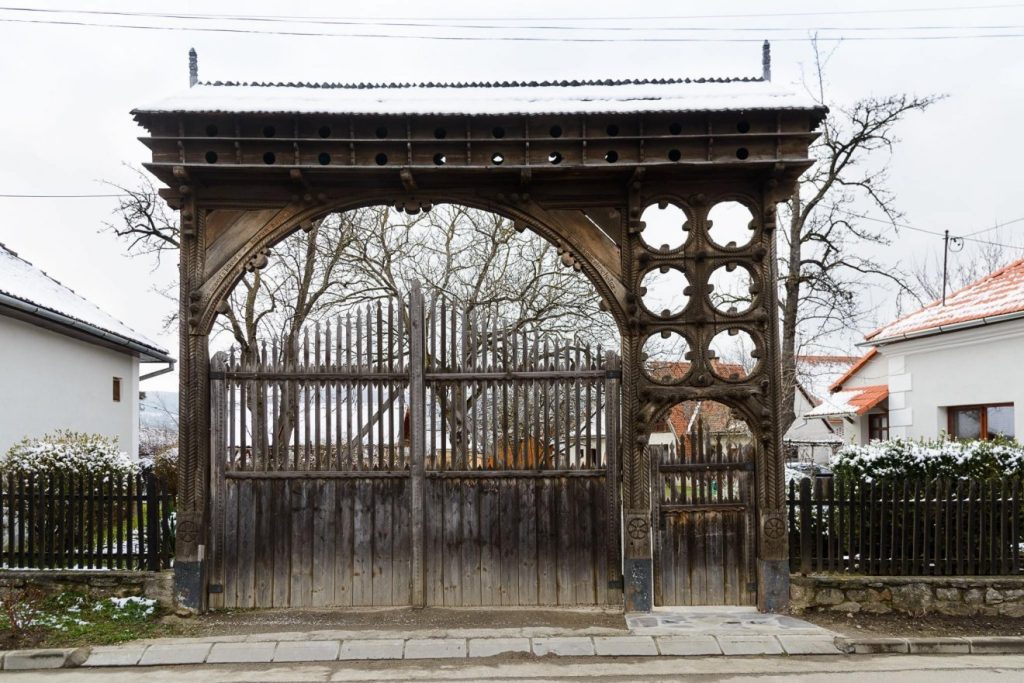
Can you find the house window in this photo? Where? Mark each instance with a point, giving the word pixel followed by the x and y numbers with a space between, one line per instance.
pixel 117 390
pixel 878 426
pixel 981 421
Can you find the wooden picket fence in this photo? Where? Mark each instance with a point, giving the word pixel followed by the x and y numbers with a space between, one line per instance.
pixel 906 527
pixel 53 521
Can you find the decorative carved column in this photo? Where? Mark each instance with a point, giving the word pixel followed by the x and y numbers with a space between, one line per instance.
pixel 193 425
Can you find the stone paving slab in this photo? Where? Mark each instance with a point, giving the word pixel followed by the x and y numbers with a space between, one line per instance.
pixel 372 649
pixel 50 658
pixel 625 646
pixel 808 645
pixel 308 651
pixel 566 646
pixel 435 648
pixel 241 653
pixel 115 655
pixel 175 653
pixel 749 645
pixel 490 647
pixel 688 646
pixel 939 646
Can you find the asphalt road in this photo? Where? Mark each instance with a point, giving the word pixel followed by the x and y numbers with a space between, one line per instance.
pixel 906 669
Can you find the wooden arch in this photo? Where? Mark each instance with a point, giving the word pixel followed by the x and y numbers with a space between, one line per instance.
pixel 577 162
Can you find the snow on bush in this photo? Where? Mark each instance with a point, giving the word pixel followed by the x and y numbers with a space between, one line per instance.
pixel 941 458
pixel 67 452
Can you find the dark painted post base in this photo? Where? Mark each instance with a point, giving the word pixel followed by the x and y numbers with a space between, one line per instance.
pixel 639 584
pixel 188 585
pixel 772 585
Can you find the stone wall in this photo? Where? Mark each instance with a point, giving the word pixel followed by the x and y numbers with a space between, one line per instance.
pixel 913 595
pixel 101 584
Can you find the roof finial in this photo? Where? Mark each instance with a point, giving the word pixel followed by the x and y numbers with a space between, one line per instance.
pixel 193 67
pixel 766 61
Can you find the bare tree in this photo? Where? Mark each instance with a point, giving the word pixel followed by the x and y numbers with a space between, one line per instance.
pixel 143 219
pixel 968 262
pixel 823 266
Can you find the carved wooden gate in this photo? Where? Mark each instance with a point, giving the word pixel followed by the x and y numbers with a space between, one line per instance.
pixel 704 552
pixel 403 456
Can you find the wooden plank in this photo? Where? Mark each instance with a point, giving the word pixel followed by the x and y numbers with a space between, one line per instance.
pixel 583 530
pixel 324 549
pixel 282 543
pixel 401 556
pixel 246 546
pixel 433 555
pixel 509 543
pixel 452 565
pixel 264 568
pixel 681 563
pixel 417 518
pixel 363 548
pixel 230 549
pixel 599 549
pixel 547 548
pixel 527 546
pixel 565 525
pixel 383 541
pixel 698 560
pixel 715 562
pixel 344 502
pixel 490 542
pixel 471 543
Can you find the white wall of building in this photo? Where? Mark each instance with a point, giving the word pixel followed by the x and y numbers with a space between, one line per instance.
pixel 49 381
pixel 926 376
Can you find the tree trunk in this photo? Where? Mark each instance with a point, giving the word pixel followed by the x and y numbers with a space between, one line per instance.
pixel 790 308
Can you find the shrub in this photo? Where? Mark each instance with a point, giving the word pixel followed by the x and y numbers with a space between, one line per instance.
pixel 935 459
pixel 67 452
pixel 164 464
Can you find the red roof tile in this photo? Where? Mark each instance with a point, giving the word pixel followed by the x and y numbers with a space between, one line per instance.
pixel 838 384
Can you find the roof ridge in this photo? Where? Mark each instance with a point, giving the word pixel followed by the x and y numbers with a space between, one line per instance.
pixel 485 84
pixel 999 272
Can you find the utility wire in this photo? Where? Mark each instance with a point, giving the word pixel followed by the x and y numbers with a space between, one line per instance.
pixel 529 39
pixel 446 23
pixel 379 19
pixel 933 232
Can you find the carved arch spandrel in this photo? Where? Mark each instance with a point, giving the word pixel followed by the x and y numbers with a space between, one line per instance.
pixel 240 238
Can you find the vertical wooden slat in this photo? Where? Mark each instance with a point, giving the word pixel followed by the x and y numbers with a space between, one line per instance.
pixel 417 425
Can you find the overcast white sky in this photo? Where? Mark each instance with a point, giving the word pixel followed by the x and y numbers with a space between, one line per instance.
pixel 68 90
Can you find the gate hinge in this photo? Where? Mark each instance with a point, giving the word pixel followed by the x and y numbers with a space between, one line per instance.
pixel 618 583
pixel 215 588
pixel 613 374
pixel 217 374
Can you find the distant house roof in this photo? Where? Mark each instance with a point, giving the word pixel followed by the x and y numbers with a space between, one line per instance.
pixel 815 374
pixel 849 402
pixel 486 98
pixel 717 417
pixel 994 298
pixel 852 370
pixel 32 294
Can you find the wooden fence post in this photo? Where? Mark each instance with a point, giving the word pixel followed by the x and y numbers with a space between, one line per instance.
pixel 806 540
pixel 152 524
pixel 611 393
pixel 417 436
pixel 218 454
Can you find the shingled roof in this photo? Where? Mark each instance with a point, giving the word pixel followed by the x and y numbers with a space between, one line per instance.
pixel 994 298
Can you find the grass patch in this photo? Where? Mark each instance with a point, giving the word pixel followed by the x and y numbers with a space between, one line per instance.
pixel 72 618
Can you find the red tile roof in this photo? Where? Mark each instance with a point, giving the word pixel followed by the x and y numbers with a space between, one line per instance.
pixel 838 384
pixel 854 401
pixel 997 294
pixel 717 416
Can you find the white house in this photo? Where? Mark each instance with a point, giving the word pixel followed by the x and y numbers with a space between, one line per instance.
pixel 64 363
pixel 952 368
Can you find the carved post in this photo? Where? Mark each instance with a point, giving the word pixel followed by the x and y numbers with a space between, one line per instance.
pixel 193 429
pixel 773 554
pixel 417 438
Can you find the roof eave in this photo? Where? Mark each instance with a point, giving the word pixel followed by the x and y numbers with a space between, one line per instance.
pixel 147 354
pixel 940 329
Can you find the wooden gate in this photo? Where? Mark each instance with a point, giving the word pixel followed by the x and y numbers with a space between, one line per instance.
pixel 415 455
pixel 704 542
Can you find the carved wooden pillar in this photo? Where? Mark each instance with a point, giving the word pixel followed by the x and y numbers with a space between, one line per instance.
pixel 193 425
pixel 772 550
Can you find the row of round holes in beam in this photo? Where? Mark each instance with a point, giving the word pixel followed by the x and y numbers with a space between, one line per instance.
pixel 497 159
pixel 730 225
pixel 498 132
pixel 665 291
pixel 668 356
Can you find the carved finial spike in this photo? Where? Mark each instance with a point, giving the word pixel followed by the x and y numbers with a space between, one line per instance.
pixel 193 67
pixel 766 61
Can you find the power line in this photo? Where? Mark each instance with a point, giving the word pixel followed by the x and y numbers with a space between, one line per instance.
pixel 446 22
pixel 59 196
pixel 530 39
pixel 996 226
pixel 377 19
pixel 933 232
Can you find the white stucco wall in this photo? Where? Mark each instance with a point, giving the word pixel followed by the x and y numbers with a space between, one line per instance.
pixel 49 381
pixel 927 375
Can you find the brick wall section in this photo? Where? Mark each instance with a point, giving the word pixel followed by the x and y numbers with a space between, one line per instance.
pixel 913 595
pixel 101 584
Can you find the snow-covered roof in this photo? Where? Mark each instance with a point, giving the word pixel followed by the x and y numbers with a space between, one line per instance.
pixel 855 401
pixel 30 290
pixel 816 373
pixel 995 297
pixel 545 97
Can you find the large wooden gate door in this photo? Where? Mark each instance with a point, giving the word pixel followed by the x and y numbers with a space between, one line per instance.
pixel 704 550
pixel 415 456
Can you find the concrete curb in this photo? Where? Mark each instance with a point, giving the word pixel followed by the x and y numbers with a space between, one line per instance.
pixel 268 650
